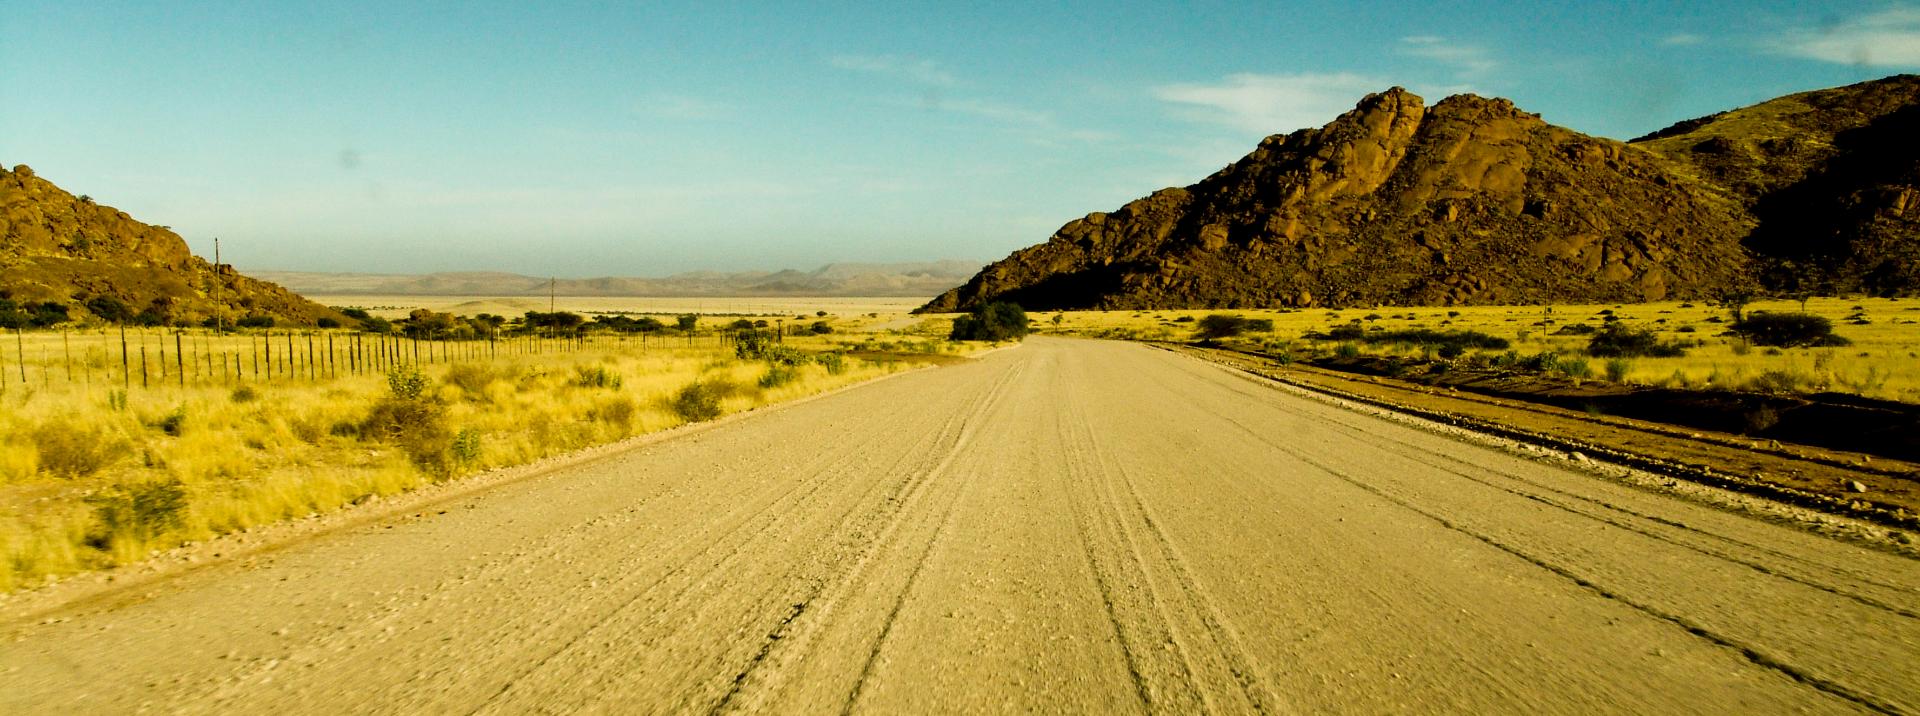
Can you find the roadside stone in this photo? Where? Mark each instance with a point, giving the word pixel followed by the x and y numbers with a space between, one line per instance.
pixel 1856 486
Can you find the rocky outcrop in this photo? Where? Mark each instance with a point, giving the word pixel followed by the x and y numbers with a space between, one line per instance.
pixel 1831 177
pixel 1468 201
pixel 57 247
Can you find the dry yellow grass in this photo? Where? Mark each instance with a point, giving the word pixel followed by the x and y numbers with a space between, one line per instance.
pixel 92 465
pixel 1882 362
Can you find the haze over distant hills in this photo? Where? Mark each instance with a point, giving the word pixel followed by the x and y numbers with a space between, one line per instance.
pixel 835 279
pixel 1474 201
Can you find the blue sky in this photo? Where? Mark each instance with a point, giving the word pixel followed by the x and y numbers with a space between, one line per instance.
pixel 650 138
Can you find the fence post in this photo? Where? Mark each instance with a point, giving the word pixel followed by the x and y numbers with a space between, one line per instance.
pixel 126 365
pixel 179 358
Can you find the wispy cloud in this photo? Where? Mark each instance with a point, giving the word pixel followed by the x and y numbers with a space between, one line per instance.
pixel 926 72
pixel 1466 60
pixel 1889 38
pixel 1270 103
pixel 1682 39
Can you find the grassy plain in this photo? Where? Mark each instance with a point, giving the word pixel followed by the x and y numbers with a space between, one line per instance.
pixel 100 465
pixel 1882 362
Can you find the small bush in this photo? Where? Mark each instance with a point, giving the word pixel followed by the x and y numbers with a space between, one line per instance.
pixel 1788 330
pixel 406 383
pixel 1347 350
pixel 1617 369
pixel 778 375
pixel 700 400
pixel 1544 361
pixel 820 327
pixel 173 423
pixel 1220 325
pixel 615 411
pixel 1623 341
pixel 991 322
pixel 138 511
pixel 69 449
pixel 752 344
pixel 466 446
pixel 786 356
pixel 835 363
pixel 1574 368
pixel 1183 319
pixel 595 376
pixel 244 394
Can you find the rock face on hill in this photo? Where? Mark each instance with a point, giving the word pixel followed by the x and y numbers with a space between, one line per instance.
pixel 65 249
pixel 1472 201
pixel 1832 178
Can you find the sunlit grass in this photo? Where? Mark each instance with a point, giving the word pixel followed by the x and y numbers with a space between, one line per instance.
pixel 247 452
pixel 1882 362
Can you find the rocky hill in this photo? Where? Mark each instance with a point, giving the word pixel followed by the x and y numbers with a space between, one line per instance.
pixel 1472 200
pixel 1832 178
pixel 56 247
pixel 839 279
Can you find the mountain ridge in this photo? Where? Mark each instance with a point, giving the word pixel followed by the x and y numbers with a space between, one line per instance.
pixel 1472 200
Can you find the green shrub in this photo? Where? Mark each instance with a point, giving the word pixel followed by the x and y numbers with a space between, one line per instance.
pixel 466 446
pixel 752 344
pixel 70 449
pixel 1617 369
pixel 1347 350
pixel 412 420
pixel 138 511
pixel 1788 330
pixel 835 363
pixel 991 322
pixel 1221 325
pixel 700 400
pixel 778 375
pixel 783 355
pixel 406 383
pixel 595 376
pixel 244 394
pixel 1574 368
pixel 1623 341
pixel 173 423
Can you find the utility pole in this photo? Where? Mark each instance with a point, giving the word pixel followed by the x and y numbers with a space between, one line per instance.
pixel 219 320
pixel 551 281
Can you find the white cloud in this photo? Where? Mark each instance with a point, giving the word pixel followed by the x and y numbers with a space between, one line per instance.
pixel 1682 39
pixel 926 72
pixel 1889 38
pixel 1467 60
pixel 1271 104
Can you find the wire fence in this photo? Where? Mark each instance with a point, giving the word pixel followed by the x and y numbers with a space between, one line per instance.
pixel 129 358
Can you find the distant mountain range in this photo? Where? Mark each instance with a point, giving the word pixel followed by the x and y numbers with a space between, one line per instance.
pixel 1474 201
pixel 836 279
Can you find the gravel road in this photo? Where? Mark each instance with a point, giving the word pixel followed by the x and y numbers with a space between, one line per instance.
pixel 1066 527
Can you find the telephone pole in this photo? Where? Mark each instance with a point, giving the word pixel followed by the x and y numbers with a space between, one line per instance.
pixel 219 317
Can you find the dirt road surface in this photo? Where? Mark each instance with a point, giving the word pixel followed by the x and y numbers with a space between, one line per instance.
pixel 1064 527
